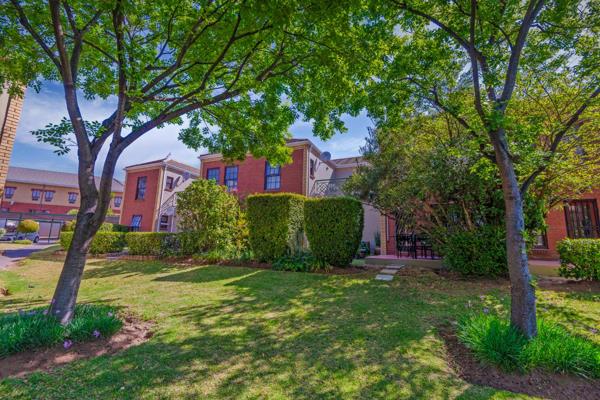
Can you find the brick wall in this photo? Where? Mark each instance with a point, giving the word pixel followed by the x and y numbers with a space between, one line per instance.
pixel 251 174
pixel 8 131
pixel 147 207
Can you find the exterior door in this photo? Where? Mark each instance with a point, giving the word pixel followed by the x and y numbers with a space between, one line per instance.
pixel 582 219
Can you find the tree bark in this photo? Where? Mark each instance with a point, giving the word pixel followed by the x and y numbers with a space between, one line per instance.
pixel 522 309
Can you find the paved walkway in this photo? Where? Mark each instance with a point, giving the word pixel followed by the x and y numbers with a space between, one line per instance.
pixel 7 257
pixel 387 274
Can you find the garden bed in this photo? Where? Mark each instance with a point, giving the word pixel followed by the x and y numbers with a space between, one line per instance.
pixel 536 383
pixel 133 333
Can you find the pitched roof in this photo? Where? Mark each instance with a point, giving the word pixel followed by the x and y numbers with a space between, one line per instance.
pixel 51 178
pixel 170 162
pixel 348 161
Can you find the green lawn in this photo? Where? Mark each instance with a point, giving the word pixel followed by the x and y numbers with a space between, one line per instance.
pixel 242 333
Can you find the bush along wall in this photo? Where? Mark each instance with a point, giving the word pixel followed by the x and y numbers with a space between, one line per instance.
pixel 103 242
pixel 276 224
pixel 147 243
pixel 579 258
pixel 334 228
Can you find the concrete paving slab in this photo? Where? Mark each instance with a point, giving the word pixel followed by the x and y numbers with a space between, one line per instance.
pixel 382 277
pixel 388 271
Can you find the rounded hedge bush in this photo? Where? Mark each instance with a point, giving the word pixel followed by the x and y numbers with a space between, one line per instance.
pixel 28 226
pixel 579 258
pixel 146 243
pixel 276 224
pixel 334 228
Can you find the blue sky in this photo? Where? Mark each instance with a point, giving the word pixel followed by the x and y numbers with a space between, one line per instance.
pixel 49 106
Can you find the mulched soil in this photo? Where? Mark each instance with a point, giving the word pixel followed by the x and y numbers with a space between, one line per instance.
pixel 133 333
pixel 535 383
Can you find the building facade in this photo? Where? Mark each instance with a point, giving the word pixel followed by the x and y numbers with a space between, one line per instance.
pixel 150 194
pixel 29 190
pixel 10 113
pixel 311 173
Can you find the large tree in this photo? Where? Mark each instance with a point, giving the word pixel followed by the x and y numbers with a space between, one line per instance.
pixel 247 69
pixel 495 50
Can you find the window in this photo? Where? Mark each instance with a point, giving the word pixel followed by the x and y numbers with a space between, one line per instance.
pixel 35 194
pixel 312 169
pixel 9 192
pixel 136 222
pixel 164 223
pixel 72 197
pixel 140 190
pixel 231 177
pixel 272 177
pixel 118 200
pixel 48 195
pixel 582 219
pixel 541 241
pixel 170 183
pixel 213 173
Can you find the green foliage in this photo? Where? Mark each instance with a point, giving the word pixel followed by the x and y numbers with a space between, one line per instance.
pixel 495 341
pixel 2 232
pixel 334 228
pixel 480 252
pixel 209 217
pixel 22 241
pixel 120 228
pixel 301 261
pixel 579 258
pixel 147 243
pixel 28 226
pixel 69 226
pixel 106 227
pixel 102 243
pixel 276 224
pixel 33 329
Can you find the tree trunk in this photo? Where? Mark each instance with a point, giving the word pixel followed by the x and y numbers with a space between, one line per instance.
pixel 522 310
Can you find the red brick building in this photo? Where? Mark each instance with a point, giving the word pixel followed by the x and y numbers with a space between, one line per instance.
pixel 150 193
pixel 29 190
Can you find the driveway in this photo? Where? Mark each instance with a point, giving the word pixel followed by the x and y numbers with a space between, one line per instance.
pixel 9 256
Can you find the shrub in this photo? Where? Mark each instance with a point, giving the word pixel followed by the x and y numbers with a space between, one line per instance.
pixel 22 241
pixel 102 243
pixel 334 228
pixel 2 232
pixel 120 228
pixel 302 261
pixel 579 258
pixel 147 243
pixel 480 252
pixel 208 216
pixel 276 224
pixel 69 226
pixel 33 329
pixel 28 226
pixel 106 227
pixel 495 341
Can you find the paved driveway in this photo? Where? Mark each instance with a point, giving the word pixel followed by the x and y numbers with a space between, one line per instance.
pixel 9 256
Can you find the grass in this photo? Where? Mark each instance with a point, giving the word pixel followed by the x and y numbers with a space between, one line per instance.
pixel 242 333
pixel 493 340
pixel 35 329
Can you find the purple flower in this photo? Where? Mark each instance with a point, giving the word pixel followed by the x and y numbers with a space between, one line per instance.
pixel 67 344
pixel 45 312
pixel 110 314
pixel 21 312
pixel 594 330
pixel 52 301
pixel 96 333
pixel 32 312
pixel 482 297
pixel 486 310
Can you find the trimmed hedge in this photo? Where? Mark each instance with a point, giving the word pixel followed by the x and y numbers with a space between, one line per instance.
pixel 579 258
pixel 334 228
pixel 69 226
pixel 146 243
pixel 103 242
pixel 28 226
pixel 276 224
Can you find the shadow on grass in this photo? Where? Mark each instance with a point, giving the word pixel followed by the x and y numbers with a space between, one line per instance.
pixel 271 335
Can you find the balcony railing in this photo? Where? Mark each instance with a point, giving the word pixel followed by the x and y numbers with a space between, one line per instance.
pixel 327 187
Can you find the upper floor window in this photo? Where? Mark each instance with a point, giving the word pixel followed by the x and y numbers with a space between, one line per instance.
pixel 140 190
pixel 213 173
pixel 272 177
pixel 170 184
pixel 312 168
pixel 9 192
pixel 231 177
pixel 35 194
pixel 582 219
pixel 72 197
pixel 136 222
pixel 48 195
pixel 118 200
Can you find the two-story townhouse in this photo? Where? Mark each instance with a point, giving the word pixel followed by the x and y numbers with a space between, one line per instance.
pixel 150 193
pixel 311 173
pixel 29 190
